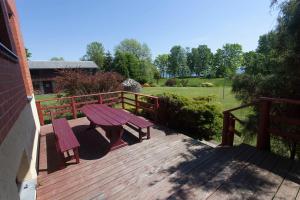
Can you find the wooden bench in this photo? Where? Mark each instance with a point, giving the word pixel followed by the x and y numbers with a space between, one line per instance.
pixel 65 140
pixel 138 123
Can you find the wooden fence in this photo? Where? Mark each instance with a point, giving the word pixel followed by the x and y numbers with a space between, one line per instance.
pixel 72 105
pixel 266 118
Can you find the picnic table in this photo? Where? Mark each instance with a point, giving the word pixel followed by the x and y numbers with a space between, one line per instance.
pixel 111 120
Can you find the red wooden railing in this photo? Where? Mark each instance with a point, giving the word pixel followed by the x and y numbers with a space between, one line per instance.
pixel 71 105
pixel 264 127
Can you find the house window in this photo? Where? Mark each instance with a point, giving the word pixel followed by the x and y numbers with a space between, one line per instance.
pixel 6 49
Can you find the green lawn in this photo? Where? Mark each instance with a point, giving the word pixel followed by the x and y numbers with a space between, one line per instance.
pixel 227 102
pixel 196 82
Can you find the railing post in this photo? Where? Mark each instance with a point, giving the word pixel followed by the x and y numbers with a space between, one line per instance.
pixel 156 109
pixel 122 100
pixel 226 118
pixel 40 112
pixel 74 110
pixel 231 130
pixel 263 137
pixel 136 103
pixel 100 100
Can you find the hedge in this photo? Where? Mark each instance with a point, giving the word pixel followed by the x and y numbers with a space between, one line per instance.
pixel 199 117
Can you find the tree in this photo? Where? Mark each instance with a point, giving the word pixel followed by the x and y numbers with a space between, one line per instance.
pixel 178 62
pixel 95 52
pixel 132 46
pixel 108 62
pixel 28 54
pixel 255 63
pixel 228 59
pixel 200 59
pixel 162 62
pixel 57 59
pixel 120 64
pixel 281 49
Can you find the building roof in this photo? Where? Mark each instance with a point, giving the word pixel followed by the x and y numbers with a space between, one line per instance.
pixel 62 64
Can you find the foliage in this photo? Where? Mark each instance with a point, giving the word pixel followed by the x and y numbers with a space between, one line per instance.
pixel 162 63
pixel 95 52
pixel 206 98
pixel 77 82
pixel 108 62
pixel 200 59
pixel 28 53
pixel 132 46
pixel 178 62
pixel 228 59
pixel 201 119
pixel 207 84
pixel 171 82
pixel 183 82
pixel 274 69
pixel 57 59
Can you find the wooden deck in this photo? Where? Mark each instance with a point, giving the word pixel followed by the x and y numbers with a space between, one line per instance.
pixel 168 166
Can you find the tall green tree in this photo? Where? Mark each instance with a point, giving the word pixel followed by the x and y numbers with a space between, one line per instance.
pixel 162 62
pixel 281 48
pixel 200 59
pixel 95 52
pixel 228 59
pixel 108 62
pixel 178 62
pixel 132 46
pixel 120 64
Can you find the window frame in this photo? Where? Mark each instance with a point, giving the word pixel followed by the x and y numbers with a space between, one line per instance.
pixel 4 50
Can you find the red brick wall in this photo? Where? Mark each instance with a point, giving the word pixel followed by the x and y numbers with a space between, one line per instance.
pixel 14 82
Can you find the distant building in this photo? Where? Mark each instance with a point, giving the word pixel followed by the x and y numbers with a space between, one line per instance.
pixel 43 73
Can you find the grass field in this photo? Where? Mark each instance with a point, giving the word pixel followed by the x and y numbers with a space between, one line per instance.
pixel 196 82
pixel 227 102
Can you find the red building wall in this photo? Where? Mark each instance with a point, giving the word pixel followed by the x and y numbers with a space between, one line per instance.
pixel 15 82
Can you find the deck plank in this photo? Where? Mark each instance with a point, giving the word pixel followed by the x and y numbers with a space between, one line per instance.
pixel 96 171
pixel 168 166
pixel 208 185
pixel 291 184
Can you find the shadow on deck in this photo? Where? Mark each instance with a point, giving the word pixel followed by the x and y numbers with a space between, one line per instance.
pixel 168 166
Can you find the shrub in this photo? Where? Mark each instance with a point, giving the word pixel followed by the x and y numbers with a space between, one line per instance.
pixel 184 82
pixel 153 85
pixel 171 82
pixel 206 98
pixel 207 84
pixel 146 85
pixel 78 82
pixel 200 119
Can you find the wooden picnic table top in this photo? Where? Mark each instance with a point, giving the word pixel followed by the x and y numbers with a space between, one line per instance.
pixel 104 115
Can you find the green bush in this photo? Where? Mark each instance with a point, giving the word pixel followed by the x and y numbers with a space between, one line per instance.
pixel 184 82
pixel 172 82
pixel 207 84
pixel 206 98
pixel 199 119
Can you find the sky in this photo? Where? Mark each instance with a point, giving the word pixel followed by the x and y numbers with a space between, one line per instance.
pixel 63 28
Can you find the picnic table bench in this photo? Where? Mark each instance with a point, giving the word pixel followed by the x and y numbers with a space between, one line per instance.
pixel 65 140
pixel 137 123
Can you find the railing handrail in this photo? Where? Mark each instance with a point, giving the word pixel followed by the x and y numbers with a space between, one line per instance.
pixel 78 96
pixel 76 102
pixel 241 107
pixel 143 95
pixel 280 100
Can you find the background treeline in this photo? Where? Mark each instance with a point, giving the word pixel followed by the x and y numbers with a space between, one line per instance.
pixel 133 59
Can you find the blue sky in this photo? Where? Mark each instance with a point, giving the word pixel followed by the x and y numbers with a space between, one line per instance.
pixel 64 27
